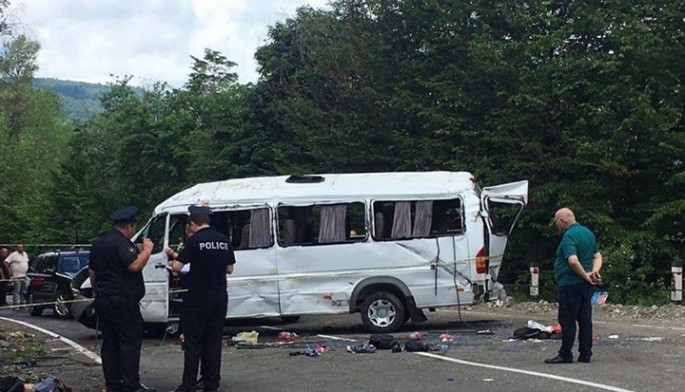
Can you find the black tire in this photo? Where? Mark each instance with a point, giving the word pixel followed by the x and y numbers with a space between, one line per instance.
pixel 290 319
pixel 61 310
pixel 383 312
pixel 33 310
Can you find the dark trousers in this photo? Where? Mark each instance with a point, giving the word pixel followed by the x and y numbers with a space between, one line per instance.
pixel 575 306
pixel 122 338
pixel 3 292
pixel 203 324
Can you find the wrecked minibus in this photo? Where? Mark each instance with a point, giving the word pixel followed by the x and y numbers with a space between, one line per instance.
pixel 386 245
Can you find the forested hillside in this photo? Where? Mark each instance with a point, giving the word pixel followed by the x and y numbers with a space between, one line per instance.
pixel 583 98
pixel 80 100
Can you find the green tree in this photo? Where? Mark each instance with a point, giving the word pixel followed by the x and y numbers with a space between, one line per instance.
pixel 4 4
pixel 32 141
pixel 584 99
pixel 17 65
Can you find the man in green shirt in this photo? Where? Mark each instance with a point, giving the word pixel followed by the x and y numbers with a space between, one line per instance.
pixel 577 253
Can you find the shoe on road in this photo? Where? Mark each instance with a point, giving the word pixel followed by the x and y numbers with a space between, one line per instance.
pixel 559 359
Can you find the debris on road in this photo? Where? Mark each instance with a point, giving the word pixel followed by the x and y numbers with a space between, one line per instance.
pixel 251 337
pixel 310 351
pixel 362 348
pixel 416 335
pixel 383 341
pixel 445 337
pixel 287 336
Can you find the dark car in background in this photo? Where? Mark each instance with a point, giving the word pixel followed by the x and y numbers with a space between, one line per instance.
pixel 51 274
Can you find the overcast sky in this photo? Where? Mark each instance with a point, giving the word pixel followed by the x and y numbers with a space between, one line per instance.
pixel 87 40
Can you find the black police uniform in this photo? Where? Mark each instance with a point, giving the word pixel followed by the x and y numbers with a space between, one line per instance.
pixel 204 305
pixel 118 292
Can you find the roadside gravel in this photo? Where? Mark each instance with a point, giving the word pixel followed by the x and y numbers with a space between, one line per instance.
pixel 668 312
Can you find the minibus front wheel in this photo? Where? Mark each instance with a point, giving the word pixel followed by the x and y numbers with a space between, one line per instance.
pixel 383 312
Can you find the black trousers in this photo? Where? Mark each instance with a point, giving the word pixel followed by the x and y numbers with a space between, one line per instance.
pixel 575 306
pixel 3 292
pixel 203 323
pixel 122 338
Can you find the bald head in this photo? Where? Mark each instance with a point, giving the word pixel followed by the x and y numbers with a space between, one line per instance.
pixel 564 218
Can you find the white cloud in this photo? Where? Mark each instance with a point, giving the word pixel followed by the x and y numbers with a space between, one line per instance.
pixel 151 40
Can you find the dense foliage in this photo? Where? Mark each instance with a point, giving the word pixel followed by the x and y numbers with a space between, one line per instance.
pixel 583 98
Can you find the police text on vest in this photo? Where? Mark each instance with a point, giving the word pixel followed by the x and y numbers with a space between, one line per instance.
pixel 209 245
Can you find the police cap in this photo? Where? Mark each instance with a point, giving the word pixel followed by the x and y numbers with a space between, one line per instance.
pixel 124 214
pixel 204 210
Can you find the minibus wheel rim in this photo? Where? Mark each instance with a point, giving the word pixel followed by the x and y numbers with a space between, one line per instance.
pixel 382 313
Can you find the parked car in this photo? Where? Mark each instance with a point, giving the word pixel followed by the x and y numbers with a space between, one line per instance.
pixel 83 310
pixel 51 275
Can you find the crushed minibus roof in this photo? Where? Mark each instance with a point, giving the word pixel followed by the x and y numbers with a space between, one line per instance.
pixel 333 187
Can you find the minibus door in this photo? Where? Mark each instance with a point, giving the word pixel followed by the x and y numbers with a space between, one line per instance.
pixel 501 206
pixel 155 275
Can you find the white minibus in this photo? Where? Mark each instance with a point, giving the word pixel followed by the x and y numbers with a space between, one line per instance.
pixel 386 245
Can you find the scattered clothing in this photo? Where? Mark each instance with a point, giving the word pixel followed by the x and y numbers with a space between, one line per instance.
pixel 362 348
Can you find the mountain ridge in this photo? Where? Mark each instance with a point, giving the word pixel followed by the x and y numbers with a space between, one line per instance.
pixel 80 100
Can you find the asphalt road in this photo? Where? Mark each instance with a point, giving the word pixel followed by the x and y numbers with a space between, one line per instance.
pixel 630 355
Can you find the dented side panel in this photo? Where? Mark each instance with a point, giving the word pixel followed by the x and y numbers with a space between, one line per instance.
pixel 321 279
pixel 253 286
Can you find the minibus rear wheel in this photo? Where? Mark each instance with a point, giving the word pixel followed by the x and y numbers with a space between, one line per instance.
pixel 383 312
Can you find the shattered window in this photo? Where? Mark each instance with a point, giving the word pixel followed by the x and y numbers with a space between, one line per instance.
pixel 397 220
pixel 247 229
pixel 321 224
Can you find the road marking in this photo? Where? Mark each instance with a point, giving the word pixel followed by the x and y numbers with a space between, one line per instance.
pixel 658 327
pixel 270 328
pixel 70 342
pixel 507 369
pixel 336 338
pixel 527 372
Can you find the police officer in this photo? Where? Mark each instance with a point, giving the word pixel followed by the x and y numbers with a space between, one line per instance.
pixel 115 272
pixel 204 305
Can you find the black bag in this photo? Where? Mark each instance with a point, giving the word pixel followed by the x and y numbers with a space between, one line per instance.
pixel 11 384
pixel 524 333
pixel 382 341
pixel 413 346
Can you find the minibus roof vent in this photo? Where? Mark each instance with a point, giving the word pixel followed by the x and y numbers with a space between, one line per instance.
pixel 304 179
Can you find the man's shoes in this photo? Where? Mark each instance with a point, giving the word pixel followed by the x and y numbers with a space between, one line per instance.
pixel 584 359
pixel 199 386
pixel 559 359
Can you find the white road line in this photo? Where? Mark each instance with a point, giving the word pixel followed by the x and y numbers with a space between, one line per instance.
pixel 513 370
pixel 527 372
pixel 658 327
pixel 70 342
pixel 336 338
pixel 270 328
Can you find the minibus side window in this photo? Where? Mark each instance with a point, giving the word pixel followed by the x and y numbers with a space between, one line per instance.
pixel 448 218
pixel 321 224
pixel 247 229
pixel 255 232
pixel 398 220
